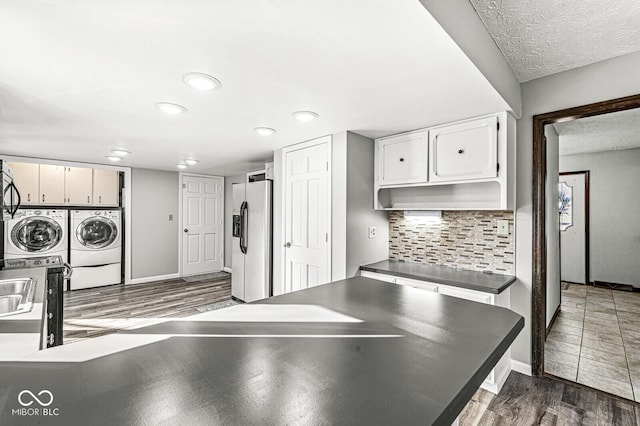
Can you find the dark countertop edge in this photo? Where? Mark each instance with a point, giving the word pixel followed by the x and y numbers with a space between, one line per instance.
pixel 509 279
pixel 451 413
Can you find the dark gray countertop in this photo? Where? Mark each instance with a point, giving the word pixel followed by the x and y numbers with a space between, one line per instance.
pixel 404 356
pixel 480 281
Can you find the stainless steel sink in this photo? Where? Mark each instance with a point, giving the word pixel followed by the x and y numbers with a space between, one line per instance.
pixel 16 296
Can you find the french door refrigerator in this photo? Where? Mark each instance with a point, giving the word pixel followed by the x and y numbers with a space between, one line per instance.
pixel 252 231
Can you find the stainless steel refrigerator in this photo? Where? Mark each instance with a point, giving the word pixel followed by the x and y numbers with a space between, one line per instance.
pixel 252 235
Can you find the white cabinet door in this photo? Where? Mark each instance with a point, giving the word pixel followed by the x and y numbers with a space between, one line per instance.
pixel 422 285
pixel 476 296
pixel 464 151
pixel 26 177
pixel 79 185
pixel 51 184
pixel 380 277
pixel 106 188
pixel 403 159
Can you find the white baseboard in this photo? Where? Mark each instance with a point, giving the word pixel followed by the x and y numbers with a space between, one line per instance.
pixel 156 278
pixel 521 367
pixel 226 269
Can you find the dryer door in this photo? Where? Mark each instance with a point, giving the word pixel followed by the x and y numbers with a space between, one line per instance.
pixel 36 234
pixel 97 232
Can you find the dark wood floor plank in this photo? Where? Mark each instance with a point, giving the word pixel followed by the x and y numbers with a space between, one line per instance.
pixel 103 310
pixel 527 400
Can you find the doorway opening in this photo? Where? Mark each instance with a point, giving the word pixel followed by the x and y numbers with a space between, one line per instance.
pixel 593 332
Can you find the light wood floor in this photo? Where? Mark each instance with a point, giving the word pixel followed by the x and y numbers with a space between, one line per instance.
pixel 98 311
pixel 527 400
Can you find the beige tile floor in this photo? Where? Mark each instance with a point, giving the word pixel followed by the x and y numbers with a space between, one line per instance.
pixel 595 340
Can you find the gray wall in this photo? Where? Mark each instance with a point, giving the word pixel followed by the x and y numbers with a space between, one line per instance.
pixel 614 178
pixel 604 80
pixel 339 206
pixel 552 223
pixel 154 241
pixel 360 214
pixel 228 221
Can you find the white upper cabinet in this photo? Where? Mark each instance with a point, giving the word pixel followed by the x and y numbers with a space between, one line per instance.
pixel 466 165
pixel 106 187
pixel 26 177
pixel 79 186
pixel 52 184
pixel 464 151
pixel 403 159
pixel 49 185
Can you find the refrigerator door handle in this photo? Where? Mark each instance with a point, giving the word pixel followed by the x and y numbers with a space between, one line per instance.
pixel 244 221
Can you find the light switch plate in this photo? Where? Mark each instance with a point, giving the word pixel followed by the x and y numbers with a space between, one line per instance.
pixel 503 227
pixel 372 232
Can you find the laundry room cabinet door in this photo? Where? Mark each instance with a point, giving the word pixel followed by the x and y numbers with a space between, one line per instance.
pixel 26 177
pixel 106 190
pixel 51 184
pixel 79 186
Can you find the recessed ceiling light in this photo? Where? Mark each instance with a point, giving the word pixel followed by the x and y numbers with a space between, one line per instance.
pixel 113 158
pixel 305 116
pixel 181 166
pixel 264 131
pixel 201 81
pixel 171 109
pixel 191 161
pixel 120 152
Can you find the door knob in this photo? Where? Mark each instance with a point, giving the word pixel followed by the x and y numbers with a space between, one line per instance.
pixel 287 245
pixel 186 230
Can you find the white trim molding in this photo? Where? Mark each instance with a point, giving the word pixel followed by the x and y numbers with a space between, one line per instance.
pixel 226 269
pixel 521 367
pixel 156 278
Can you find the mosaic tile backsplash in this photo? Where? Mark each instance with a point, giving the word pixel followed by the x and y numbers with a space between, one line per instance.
pixel 460 239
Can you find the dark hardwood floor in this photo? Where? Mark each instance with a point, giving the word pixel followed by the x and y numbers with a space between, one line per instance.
pixel 528 400
pixel 103 310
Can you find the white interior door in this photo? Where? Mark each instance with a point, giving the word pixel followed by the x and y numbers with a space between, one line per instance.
pixel 573 241
pixel 202 243
pixel 307 217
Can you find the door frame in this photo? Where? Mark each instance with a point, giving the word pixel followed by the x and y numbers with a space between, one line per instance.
pixel 283 224
pixel 539 172
pixel 180 233
pixel 587 250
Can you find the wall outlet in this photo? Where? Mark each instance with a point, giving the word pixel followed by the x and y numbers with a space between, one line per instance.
pixel 170 218
pixel 503 227
pixel 372 232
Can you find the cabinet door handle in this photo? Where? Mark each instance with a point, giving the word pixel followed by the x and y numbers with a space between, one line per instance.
pixel 88 199
pixel 99 199
pixel 29 197
pixel 43 198
pixel 461 151
pixel 401 159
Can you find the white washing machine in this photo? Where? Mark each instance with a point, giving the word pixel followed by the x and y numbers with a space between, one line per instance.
pixel 96 248
pixel 36 233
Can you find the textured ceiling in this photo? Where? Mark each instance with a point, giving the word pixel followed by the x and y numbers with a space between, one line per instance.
pixel 543 37
pixel 608 132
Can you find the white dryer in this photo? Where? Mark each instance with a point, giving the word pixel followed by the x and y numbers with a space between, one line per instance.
pixel 36 233
pixel 96 248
